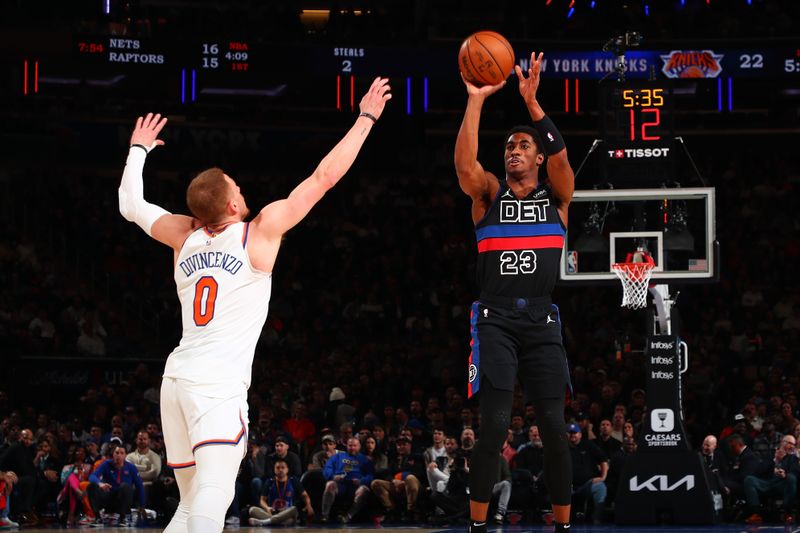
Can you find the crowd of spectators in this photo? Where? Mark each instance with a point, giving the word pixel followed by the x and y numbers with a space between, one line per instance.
pixel 369 358
pixel 362 361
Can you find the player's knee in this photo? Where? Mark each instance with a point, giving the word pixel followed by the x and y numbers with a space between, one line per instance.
pixel 330 486
pixel 551 427
pixel 493 432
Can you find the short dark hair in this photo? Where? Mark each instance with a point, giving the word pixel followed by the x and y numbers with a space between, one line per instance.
pixel 522 128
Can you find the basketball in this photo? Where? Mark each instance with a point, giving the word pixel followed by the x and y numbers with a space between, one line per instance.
pixel 486 58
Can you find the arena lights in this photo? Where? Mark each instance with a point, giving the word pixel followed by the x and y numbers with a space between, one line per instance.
pixel 339 93
pixel 720 95
pixel 34 71
pixel 425 94
pixel 408 96
pixel 592 4
pixel 183 85
pixel 567 97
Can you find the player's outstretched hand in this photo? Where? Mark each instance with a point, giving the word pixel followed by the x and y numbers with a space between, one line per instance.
pixel 376 97
pixel 529 85
pixel 484 90
pixel 147 130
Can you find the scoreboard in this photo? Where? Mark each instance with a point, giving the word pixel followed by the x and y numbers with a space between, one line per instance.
pixel 242 55
pixel 636 125
pixel 214 54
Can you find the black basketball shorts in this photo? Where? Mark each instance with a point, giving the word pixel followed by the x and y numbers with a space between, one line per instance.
pixel 513 337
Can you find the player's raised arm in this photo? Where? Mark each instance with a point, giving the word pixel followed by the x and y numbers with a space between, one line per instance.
pixel 280 216
pixel 155 221
pixel 562 179
pixel 473 179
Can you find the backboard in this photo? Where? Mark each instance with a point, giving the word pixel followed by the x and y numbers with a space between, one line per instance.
pixel 677 226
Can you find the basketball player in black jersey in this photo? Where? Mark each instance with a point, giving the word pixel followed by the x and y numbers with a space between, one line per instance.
pixel 516 329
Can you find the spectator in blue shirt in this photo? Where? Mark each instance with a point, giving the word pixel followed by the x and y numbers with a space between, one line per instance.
pixel 349 475
pixel 279 499
pixel 111 487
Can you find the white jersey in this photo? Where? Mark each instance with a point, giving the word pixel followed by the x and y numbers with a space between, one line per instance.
pixel 224 304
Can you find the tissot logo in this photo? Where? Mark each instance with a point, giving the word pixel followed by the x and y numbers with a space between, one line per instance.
pixel 660 483
pixel 658 345
pixel 638 153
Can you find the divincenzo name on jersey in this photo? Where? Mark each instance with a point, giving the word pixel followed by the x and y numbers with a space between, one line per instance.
pixel 225 261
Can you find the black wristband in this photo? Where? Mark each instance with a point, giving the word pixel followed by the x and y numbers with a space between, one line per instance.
pixel 143 147
pixel 551 138
pixel 370 116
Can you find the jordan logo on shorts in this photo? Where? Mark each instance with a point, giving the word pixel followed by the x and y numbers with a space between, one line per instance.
pixel 550 319
pixel 485 313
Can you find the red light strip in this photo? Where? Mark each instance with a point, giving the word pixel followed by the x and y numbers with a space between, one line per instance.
pixel 566 96
pixel 35 77
pixel 352 93
pixel 577 83
pixel 25 78
pixel 339 92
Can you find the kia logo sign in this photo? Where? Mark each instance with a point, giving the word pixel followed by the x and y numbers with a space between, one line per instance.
pixel 660 483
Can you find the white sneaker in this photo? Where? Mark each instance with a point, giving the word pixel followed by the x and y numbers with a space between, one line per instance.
pixel 499 518
pixel 7 523
pixel 260 522
pixel 232 521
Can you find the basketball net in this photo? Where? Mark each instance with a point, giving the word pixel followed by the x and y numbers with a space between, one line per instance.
pixel 634 274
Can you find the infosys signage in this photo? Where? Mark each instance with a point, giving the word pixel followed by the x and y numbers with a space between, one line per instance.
pixel 664 430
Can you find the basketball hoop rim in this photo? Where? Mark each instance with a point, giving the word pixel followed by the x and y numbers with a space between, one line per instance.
pixel 635 267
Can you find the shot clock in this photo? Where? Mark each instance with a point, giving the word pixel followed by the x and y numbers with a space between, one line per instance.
pixel 636 125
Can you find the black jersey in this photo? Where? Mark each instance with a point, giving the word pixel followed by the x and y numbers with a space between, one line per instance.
pixel 519 244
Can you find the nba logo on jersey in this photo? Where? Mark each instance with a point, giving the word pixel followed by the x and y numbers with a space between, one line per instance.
pixel 473 372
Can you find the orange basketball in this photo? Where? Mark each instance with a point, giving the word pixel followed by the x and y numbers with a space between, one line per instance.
pixel 486 58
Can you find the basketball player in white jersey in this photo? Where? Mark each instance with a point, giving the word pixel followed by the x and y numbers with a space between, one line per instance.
pixel 223 273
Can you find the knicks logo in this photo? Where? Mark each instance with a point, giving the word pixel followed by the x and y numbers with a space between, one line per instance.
pixel 692 64
pixel 473 372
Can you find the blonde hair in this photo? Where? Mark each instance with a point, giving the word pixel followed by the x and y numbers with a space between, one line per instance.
pixel 208 195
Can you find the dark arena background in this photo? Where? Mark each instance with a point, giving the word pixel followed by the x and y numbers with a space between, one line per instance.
pixel 681 120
